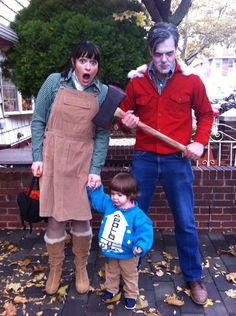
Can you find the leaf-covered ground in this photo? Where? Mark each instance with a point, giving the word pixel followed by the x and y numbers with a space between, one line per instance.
pixel 163 292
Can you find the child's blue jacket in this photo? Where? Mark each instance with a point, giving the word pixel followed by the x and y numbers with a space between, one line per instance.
pixel 121 229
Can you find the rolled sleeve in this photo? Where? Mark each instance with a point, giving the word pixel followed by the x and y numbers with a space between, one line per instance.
pixel 41 113
pixel 101 143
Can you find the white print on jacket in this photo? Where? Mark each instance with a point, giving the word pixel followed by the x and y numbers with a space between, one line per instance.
pixel 113 232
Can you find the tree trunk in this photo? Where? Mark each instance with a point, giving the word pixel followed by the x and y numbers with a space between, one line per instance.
pixel 160 10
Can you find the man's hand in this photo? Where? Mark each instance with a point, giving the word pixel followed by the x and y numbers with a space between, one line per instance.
pixel 193 151
pixel 130 120
pixel 94 181
pixel 37 168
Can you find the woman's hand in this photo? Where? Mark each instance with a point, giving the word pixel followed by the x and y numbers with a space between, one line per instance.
pixel 37 168
pixel 94 181
pixel 138 72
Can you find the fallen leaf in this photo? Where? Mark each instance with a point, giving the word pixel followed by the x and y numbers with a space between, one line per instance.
pixel 99 293
pixel 101 273
pixel 218 301
pixel 4 243
pixel 12 263
pixel 12 248
pixel 52 299
pixel 169 256
pixel 231 277
pixel 141 302
pixel 20 300
pixel 62 290
pixel 159 273
pixel 102 286
pixel 9 249
pixel 231 293
pixel 37 300
pixel 160 264
pixel 24 263
pixel 39 268
pixel 110 307
pixel 209 302
pixel 206 264
pixel 231 250
pixel 186 291
pixel 153 312
pixel 91 289
pixel 38 277
pixel 62 293
pixel 173 300
pixel 146 270
pixel 176 269
pixel 15 287
pixel 38 284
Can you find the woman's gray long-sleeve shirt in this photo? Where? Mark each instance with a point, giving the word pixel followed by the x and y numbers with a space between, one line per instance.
pixel 44 101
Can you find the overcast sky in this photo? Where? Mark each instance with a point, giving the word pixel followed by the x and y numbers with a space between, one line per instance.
pixel 7 8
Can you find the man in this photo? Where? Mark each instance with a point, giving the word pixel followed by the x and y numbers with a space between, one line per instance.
pixel 163 99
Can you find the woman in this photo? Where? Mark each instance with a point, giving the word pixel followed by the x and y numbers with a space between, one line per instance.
pixel 68 154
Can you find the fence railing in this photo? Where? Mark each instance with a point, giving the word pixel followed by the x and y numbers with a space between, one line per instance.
pixel 221 149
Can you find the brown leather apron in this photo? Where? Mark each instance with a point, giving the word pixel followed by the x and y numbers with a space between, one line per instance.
pixel 67 153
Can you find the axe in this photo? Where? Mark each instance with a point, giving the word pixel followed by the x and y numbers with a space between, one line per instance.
pixel 109 108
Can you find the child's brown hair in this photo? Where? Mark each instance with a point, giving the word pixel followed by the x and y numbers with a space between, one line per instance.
pixel 126 184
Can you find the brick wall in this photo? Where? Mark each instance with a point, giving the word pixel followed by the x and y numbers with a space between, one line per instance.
pixel 214 187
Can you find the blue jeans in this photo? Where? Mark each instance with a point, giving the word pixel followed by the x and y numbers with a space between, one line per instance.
pixel 175 175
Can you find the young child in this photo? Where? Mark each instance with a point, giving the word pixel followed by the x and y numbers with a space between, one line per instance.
pixel 126 233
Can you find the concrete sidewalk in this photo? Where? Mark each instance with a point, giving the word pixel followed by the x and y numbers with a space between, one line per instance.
pixel 21 254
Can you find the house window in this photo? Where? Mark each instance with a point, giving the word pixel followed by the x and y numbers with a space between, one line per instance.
pixel 231 65
pixel 218 63
pixel 13 101
pixel 10 102
pixel 27 104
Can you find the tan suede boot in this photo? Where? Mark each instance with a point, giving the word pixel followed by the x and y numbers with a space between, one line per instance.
pixel 56 256
pixel 80 248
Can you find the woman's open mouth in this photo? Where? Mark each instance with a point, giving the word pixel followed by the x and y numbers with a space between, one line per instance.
pixel 86 77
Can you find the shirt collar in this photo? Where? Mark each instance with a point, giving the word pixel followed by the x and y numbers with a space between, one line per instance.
pixel 152 73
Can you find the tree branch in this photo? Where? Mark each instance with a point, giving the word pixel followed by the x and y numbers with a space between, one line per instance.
pixel 180 12
pixel 201 46
pixel 163 8
pixel 152 10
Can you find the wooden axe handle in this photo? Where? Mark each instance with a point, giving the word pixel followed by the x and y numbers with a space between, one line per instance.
pixel 120 113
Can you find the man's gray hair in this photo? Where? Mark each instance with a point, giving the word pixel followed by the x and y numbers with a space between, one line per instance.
pixel 161 32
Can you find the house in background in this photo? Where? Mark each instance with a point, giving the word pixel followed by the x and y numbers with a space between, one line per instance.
pixel 15 111
pixel 218 73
